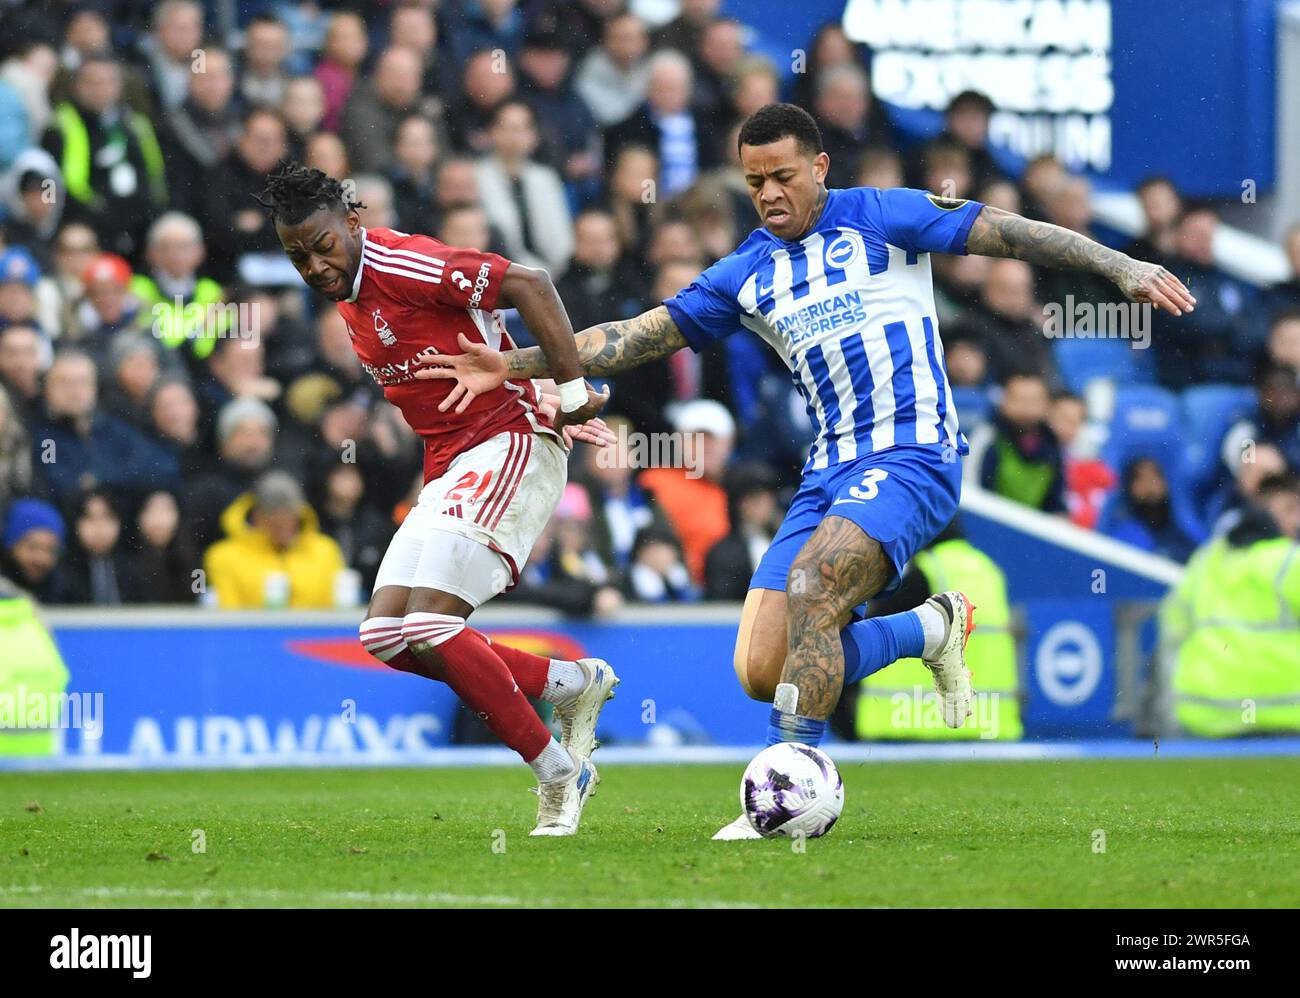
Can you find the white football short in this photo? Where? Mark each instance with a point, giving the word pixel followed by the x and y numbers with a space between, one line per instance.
pixel 474 525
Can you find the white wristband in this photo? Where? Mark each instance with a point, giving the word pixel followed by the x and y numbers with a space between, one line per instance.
pixel 573 395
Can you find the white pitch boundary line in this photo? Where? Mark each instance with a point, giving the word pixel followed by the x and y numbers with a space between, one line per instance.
pixel 208 895
pixel 633 755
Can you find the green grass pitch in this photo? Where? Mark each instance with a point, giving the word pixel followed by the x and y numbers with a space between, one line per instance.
pixel 1203 832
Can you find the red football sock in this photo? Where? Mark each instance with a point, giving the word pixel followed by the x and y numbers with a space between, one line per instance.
pixel 529 670
pixel 484 684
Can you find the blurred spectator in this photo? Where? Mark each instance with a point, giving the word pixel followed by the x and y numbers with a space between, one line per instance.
pixel 1011 322
pixel 109 156
pixel 717 59
pixel 130 368
pixel 657 574
pixel 755 84
pixel 631 197
pixel 59 292
pixel 1284 340
pixel 475 25
pixel 108 307
pixel 1249 463
pixel 945 169
pixel 966 359
pixel 564 571
pixel 1276 420
pixel 174 299
pixel 29 71
pixel 613 79
pixel 326 152
pixel 31 548
pixel 830 48
pixel 1000 194
pixel 245 447
pixel 412 173
pixel 377 104
pixel 1143 513
pixel 1088 479
pixel 202 130
pixel 966 124
pixel 524 200
pixel 97 570
pixel 621 508
pixel 844 111
pixel 1043 174
pixel 599 285
pixel 880 167
pixel 376 197
pixel 691 495
pixel 684 31
pixel 33 198
pixel 346 43
pixel 567 129
pixel 274 554
pixel 580 22
pixel 19 275
pixel 79 445
pixel 262 76
pixel 1286 295
pixel 20 370
pixel 414 26
pixel 173 414
pixel 164 566
pixel 669 126
pixel 238 229
pixel 169 49
pixel 360 531
pixel 487 80
pixel 1207 344
pixel 303 110
pixel 1017 456
pixel 754 514
pixel 1230 624
pixel 1161 208
pixel 16 472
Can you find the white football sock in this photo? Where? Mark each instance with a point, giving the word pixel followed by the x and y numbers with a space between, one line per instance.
pixel 564 681
pixel 934 625
pixel 554 763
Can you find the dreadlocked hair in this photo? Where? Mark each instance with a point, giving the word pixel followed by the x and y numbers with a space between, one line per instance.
pixel 294 191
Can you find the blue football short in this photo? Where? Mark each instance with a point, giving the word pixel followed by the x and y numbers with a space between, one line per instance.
pixel 901 496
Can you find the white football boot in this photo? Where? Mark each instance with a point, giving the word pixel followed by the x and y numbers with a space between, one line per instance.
pixel 951 677
pixel 578 719
pixel 561 801
pixel 737 830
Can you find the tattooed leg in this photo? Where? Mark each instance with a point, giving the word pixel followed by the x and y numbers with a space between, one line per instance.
pixel 839 568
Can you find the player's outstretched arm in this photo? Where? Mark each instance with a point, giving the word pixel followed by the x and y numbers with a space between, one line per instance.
pixel 531 292
pixel 1002 233
pixel 604 349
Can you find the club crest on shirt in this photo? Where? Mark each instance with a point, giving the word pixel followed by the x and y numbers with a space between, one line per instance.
pixel 386 336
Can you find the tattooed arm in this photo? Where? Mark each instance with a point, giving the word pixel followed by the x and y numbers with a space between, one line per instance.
pixel 1001 233
pixel 604 349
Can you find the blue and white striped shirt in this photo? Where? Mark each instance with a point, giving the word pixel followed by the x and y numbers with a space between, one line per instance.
pixel 850 309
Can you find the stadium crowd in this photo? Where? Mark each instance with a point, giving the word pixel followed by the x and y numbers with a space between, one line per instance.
pixel 157 447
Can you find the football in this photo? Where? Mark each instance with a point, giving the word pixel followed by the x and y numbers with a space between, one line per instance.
pixel 792 789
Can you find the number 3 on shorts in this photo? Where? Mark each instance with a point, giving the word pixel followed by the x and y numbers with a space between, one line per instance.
pixel 870 487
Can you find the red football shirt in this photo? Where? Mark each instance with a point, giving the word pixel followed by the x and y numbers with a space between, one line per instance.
pixel 412 292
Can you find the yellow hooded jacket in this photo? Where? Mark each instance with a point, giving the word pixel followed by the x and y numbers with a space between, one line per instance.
pixel 238 567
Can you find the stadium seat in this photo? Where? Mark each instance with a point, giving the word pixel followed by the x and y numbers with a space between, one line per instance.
pixel 1082 361
pixel 1208 412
